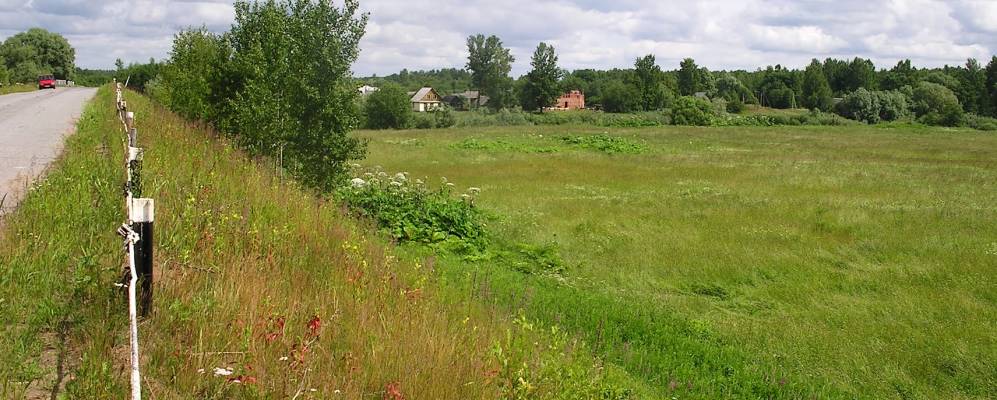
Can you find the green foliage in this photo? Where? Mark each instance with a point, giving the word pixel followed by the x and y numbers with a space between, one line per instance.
pixel 606 143
pixel 935 104
pixel 729 88
pixel 541 87
pixel 779 87
pixel 388 108
pixel 37 51
pixel 620 97
pixel 92 77
pixel 654 94
pixel 197 63
pixel 444 117
pixel 874 106
pixel 688 77
pixel 137 75
pixel 279 83
pixel 689 110
pixel 444 80
pixel 980 122
pixel 991 86
pixel 816 90
pixel 412 211
pixel 490 64
pixel 899 76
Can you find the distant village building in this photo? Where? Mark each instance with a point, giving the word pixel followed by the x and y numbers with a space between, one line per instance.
pixel 573 100
pixel 366 90
pixel 426 99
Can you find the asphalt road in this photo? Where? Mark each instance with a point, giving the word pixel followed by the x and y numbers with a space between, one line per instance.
pixel 32 128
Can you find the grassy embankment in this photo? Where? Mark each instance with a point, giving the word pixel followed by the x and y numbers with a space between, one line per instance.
pixel 785 262
pixel 253 275
pixel 18 88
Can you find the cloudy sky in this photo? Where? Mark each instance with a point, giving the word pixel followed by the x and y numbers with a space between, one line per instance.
pixel 425 34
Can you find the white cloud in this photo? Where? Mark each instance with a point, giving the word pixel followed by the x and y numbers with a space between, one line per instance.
pixel 423 34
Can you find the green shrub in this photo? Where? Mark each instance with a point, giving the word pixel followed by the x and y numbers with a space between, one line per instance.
pixel 689 110
pixel 388 108
pixel 605 143
pixel 935 104
pixel 412 211
pixel 980 122
pixel 422 120
pixel 620 97
pixel 444 117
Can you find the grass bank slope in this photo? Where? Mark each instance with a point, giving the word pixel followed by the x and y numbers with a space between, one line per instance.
pixel 262 289
pixel 828 262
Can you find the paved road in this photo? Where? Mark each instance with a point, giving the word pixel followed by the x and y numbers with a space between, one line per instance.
pixel 32 127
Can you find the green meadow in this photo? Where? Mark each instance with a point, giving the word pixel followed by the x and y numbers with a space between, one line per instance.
pixel 773 262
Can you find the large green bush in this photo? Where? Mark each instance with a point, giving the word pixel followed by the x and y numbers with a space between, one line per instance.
pixel 874 106
pixel 620 97
pixel 688 110
pixel 388 108
pixel 935 104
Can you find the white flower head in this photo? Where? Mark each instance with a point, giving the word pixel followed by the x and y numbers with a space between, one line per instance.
pixel 223 371
pixel 418 181
pixel 450 184
pixel 396 183
pixel 358 183
pixel 400 177
pixel 474 190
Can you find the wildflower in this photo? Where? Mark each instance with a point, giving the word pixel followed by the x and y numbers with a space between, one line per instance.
pixel 223 371
pixel 400 177
pixel 449 184
pixel 474 190
pixel 314 325
pixel 396 183
pixel 381 174
pixel 358 183
pixel 418 181
pixel 465 196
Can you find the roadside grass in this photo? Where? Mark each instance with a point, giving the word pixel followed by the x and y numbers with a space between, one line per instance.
pixel 18 88
pixel 256 279
pixel 744 262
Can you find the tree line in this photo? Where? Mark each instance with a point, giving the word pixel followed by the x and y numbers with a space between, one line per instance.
pixel 853 88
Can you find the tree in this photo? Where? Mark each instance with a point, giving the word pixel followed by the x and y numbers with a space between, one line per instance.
pixel 541 88
pixel 778 88
pixel 620 97
pixel 38 51
pixel 688 77
pixel 972 90
pixel 119 64
pixel 816 90
pixel 388 108
pixel 654 95
pixel 935 104
pixel 490 64
pixel 837 72
pixel 729 88
pixel 861 74
pixel 991 85
pixel 197 62
pixel 296 96
pixel 899 76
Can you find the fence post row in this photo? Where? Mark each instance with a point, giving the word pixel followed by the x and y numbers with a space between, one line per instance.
pixel 137 231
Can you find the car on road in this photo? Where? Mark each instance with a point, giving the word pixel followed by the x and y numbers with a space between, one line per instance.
pixel 46 81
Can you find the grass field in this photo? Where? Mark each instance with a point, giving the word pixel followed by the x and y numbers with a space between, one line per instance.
pixel 787 262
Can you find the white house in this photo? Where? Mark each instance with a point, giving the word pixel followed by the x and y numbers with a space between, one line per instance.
pixel 426 99
pixel 366 90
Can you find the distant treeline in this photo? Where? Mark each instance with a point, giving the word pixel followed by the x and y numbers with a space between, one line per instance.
pixel 820 85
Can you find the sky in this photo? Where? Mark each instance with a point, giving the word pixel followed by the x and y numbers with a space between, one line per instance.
pixel 429 34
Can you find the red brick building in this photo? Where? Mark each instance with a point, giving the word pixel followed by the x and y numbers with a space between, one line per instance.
pixel 573 100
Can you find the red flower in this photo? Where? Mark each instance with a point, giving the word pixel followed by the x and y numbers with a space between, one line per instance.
pixel 393 391
pixel 314 325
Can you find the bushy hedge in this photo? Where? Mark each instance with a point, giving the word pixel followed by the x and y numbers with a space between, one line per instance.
pixel 874 106
pixel 689 110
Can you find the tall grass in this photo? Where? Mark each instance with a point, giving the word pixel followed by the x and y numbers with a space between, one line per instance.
pixel 18 88
pixel 746 262
pixel 256 277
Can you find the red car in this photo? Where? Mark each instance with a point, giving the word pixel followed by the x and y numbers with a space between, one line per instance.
pixel 46 81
